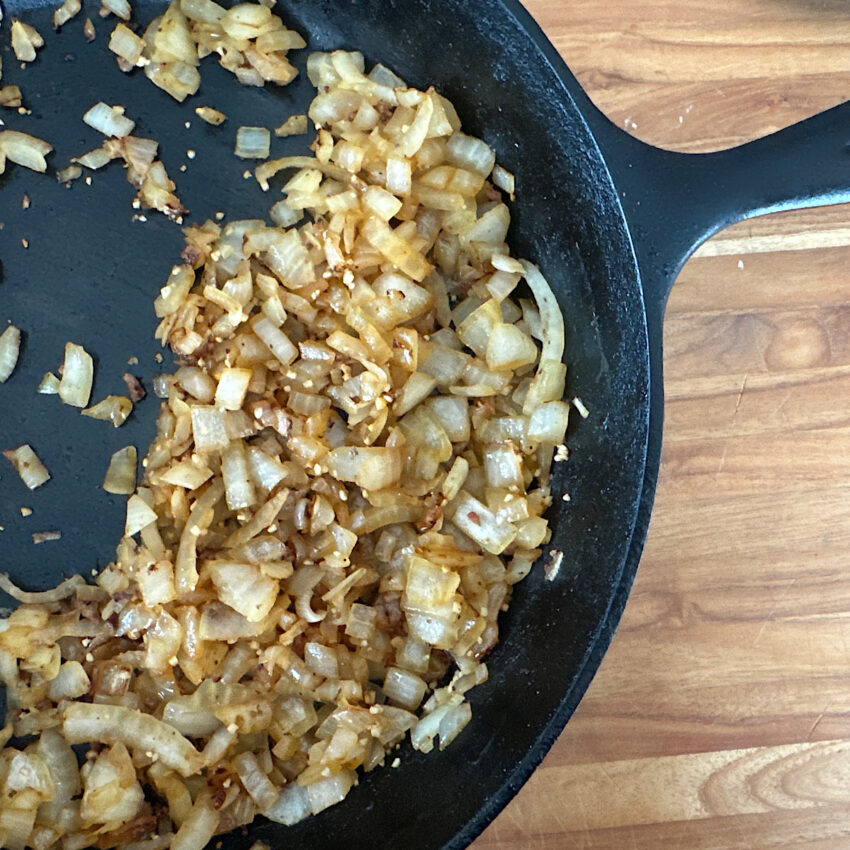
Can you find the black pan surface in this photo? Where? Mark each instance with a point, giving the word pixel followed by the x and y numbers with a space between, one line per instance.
pixel 91 272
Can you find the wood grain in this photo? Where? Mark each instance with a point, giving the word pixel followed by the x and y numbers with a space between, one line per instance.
pixel 720 718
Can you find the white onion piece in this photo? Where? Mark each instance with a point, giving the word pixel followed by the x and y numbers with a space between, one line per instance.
pixel 55 594
pixel 481 524
pixel 244 588
pixel 32 471
pixel 209 429
pixel 238 488
pixel 77 376
pixel 24 149
pixel 232 388
pixel 10 345
pixel 252 142
pixel 120 477
pixel 330 791
pixel 65 12
pixel 125 44
pixel 139 515
pixel 107 724
pixel 25 40
pixel 210 115
pixel 114 409
pixel 275 340
pixel 109 120
pixel 263 792
pixel 119 8
pixel 292 806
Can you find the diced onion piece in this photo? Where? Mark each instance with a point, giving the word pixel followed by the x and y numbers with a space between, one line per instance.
pixel 10 346
pixel 203 11
pixel 238 487
pixel 275 340
pixel 210 115
pixel 65 12
pixel 395 249
pixel 417 388
pixel 399 176
pixel 209 429
pixel 232 388
pixel 548 423
pixel 114 409
pixel 25 40
pixel 66 175
pixel 328 792
pixel 295 125
pixel 139 515
pixel 109 120
pixel 509 348
pixel 49 384
pixel 481 524
pixel 292 806
pixel 456 478
pixel 244 588
pixel 370 467
pixel 10 96
pixel 70 682
pixel 504 180
pixel 252 143
pixel 404 688
pixel 24 150
pixel 125 44
pixel 263 792
pixel 77 376
pixel 381 203
pixel 119 8
pixel 32 471
pixel 120 477
pixel 94 159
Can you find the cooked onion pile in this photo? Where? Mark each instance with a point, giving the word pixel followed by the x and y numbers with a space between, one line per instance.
pixel 250 41
pixel 350 472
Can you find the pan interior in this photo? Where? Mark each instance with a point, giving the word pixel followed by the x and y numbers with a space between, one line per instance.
pixel 91 272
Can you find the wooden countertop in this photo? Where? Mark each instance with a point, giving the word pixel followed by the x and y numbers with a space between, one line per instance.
pixel 720 717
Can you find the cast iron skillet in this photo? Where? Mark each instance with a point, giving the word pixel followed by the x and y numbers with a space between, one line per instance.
pixel 610 221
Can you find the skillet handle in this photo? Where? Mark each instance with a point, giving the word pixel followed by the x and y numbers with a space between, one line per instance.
pixel 675 201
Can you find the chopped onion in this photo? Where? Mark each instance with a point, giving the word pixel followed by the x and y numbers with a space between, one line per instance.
pixel 10 346
pixel 24 150
pixel 125 44
pixel 114 409
pixel 77 376
pixel 46 536
pixel 49 384
pixel 252 143
pixel 66 175
pixel 232 388
pixel 25 40
pixel 120 477
pixel 108 724
pixel 119 8
pixel 295 125
pixel 32 471
pixel 65 12
pixel 61 591
pixel 139 515
pixel 210 115
pixel 10 96
pixel 109 120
